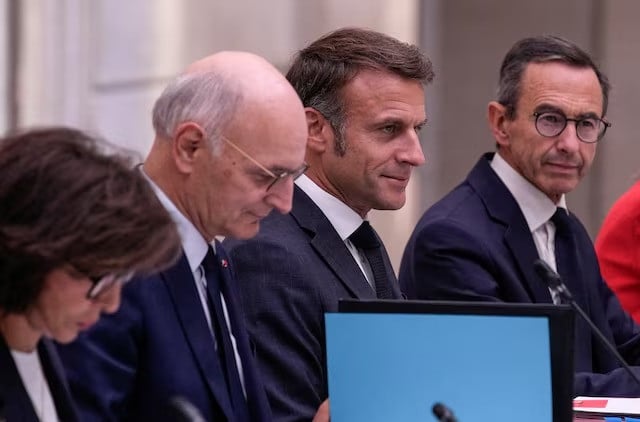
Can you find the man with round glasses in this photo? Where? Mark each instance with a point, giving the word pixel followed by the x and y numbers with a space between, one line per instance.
pixel 480 241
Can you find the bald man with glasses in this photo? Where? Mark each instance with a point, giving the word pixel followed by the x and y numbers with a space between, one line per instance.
pixel 180 336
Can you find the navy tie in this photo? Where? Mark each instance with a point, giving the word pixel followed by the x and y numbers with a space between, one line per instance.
pixel 365 239
pixel 225 348
pixel 565 246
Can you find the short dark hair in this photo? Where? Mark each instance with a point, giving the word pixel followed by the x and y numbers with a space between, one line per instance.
pixel 541 49
pixel 65 201
pixel 320 71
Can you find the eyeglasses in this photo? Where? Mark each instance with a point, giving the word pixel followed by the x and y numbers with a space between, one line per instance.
pixel 104 283
pixel 590 130
pixel 275 178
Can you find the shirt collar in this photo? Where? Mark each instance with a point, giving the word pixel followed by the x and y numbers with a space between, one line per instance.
pixel 193 244
pixel 535 205
pixel 342 218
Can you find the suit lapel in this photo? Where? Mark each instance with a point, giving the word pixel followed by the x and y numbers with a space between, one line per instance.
pixel 179 280
pixel 327 243
pixel 54 373
pixel 502 207
pixel 15 403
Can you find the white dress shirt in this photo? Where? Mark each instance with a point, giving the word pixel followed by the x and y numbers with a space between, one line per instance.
pixel 342 218
pixel 30 370
pixel 536 207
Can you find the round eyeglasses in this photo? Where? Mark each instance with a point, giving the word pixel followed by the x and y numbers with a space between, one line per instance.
pixel 590 129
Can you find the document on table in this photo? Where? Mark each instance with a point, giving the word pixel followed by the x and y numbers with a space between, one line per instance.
pixel 607 406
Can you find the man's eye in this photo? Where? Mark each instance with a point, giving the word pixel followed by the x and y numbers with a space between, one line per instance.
pixel 263 178
pixel 390 129
pixel 551 118
pixel 588 123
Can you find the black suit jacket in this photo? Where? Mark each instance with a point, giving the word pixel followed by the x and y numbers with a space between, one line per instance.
pixel 475 245
pixel 294 271
pixel 156 347
pixel 15 404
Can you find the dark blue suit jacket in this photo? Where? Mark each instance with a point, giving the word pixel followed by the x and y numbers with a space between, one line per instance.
pixel 158 346
pixel 15 404
pixel 294 271
pixel 475 245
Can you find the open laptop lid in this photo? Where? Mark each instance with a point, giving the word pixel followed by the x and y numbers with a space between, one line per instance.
pixel 392 360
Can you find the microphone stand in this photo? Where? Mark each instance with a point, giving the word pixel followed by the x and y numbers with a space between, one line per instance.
pixel 555 283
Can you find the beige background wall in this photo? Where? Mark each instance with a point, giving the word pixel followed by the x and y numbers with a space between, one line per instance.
pixel 472 38
pixel 4 77
pixel 99 65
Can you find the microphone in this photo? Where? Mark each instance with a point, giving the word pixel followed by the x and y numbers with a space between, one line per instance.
pixel 443 413
pixel 555 284
pixel 182 410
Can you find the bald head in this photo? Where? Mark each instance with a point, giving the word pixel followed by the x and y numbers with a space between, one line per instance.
pixel 234 63
pixel 212 90
pixel 230 133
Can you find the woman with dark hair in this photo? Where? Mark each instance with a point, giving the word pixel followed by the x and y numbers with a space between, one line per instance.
pixel 75 225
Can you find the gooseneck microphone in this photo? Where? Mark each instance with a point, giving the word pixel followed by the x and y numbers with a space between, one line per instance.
pixel 443 413
pixel 555 284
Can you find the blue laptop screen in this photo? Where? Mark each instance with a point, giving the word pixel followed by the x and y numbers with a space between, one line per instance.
pixel 394 367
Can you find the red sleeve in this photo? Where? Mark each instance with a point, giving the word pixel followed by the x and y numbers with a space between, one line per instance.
pixel 618 249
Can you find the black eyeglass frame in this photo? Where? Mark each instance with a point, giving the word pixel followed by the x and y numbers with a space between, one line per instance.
pixel 605 125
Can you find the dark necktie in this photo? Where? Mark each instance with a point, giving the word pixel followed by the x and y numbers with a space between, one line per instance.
pixel 225 350
pixel 566 260
pixel 365 239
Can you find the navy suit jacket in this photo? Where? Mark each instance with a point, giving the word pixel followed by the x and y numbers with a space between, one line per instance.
pixel 294 271
pixel 15 404
pixel 475 245
pixel 158 346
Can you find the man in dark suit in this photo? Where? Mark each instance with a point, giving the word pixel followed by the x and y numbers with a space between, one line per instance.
pixel 230 139
pixel 364 100
pixel 480 241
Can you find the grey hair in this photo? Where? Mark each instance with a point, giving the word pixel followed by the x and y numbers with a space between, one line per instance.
pixel 542 49
pixel 208 98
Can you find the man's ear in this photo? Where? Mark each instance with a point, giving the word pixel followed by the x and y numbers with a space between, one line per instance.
pixel 320 131
pixel 188 141
pixel 498 122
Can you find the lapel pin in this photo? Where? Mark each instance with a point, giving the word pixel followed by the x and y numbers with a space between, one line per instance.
pixel 224 263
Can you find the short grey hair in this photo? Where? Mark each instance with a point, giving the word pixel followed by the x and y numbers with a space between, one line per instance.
pixel 542 49
pixel 208 98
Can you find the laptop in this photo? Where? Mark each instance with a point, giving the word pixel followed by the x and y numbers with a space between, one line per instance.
pixel 394 360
